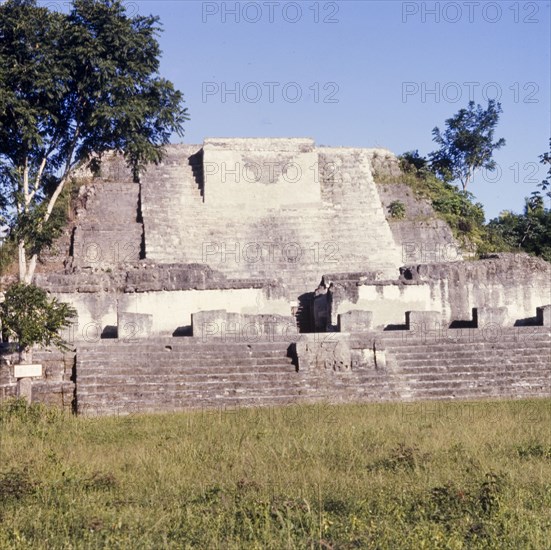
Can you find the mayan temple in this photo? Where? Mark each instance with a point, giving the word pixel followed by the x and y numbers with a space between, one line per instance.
pixel 246 272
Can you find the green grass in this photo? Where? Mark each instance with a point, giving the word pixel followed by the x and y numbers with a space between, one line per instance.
pixel 454 475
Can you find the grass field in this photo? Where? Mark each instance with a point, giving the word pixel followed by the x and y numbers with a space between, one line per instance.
pixel 437 475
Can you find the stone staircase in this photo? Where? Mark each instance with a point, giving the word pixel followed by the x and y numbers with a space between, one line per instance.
pixel 183 373
pixel 186 373
pixel 467 364
pixel 346 232
pixel 109 230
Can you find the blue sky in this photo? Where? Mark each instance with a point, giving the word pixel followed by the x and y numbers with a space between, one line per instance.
pixel 368 73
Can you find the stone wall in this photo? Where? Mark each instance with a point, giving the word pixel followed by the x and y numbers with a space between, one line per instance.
pixel 387 300
pixel 56 385
pixel 172 293
pixel 236 366
pixel 108 230
pixel 169 293
pixel 260 174
pixel 234 371
pixel 518 282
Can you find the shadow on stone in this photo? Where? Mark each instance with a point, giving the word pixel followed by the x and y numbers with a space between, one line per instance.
pixel 196 163
pixel 528 322
pixel 293 355
pixel 186 330
pixel 396 327
pixel 463 324
pixel 109 332
pixel 305 314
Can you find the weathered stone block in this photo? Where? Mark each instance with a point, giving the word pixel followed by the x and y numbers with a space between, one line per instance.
pixel 325 355
pixel 355 321
pixel 484 316
pixel 543 314
pixel 212 323
pixel 423 320
pixel 134 325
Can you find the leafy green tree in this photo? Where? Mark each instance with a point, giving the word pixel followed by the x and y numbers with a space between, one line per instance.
pixel 73 86
pixel 531 230
pixel 32 318
pixel 467 143
pixel 545 184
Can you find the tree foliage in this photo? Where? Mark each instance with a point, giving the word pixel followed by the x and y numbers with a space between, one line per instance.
pixel 467 143
pixel 31 317
pixel 545 184
pixel 73 86
pixel 397 210
pixel 528 232
pixel 531 230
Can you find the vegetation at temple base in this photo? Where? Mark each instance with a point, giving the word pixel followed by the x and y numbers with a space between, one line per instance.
pixel 465 475
pixel 397 210
pixel 30 317
pixel 73 86
pixel 456 207
pixel 528 232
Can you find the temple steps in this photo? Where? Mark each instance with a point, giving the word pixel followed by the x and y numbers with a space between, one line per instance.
pixel 188 373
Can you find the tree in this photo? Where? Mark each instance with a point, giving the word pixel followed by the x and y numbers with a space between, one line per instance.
pixel 73 86
pixel 545 184
pixel 32 318
pixel 467 143
pixel 531 230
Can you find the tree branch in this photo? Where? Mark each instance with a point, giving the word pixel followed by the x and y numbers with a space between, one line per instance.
pixel 26 183
pixel 39 176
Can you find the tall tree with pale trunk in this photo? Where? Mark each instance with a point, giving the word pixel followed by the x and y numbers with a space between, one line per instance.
pixel 72 87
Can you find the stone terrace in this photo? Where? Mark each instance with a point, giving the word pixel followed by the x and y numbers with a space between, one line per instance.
pixel 188 373
pixel 239 229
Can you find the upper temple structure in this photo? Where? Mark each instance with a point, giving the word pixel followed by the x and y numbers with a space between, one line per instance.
pixel 258 271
